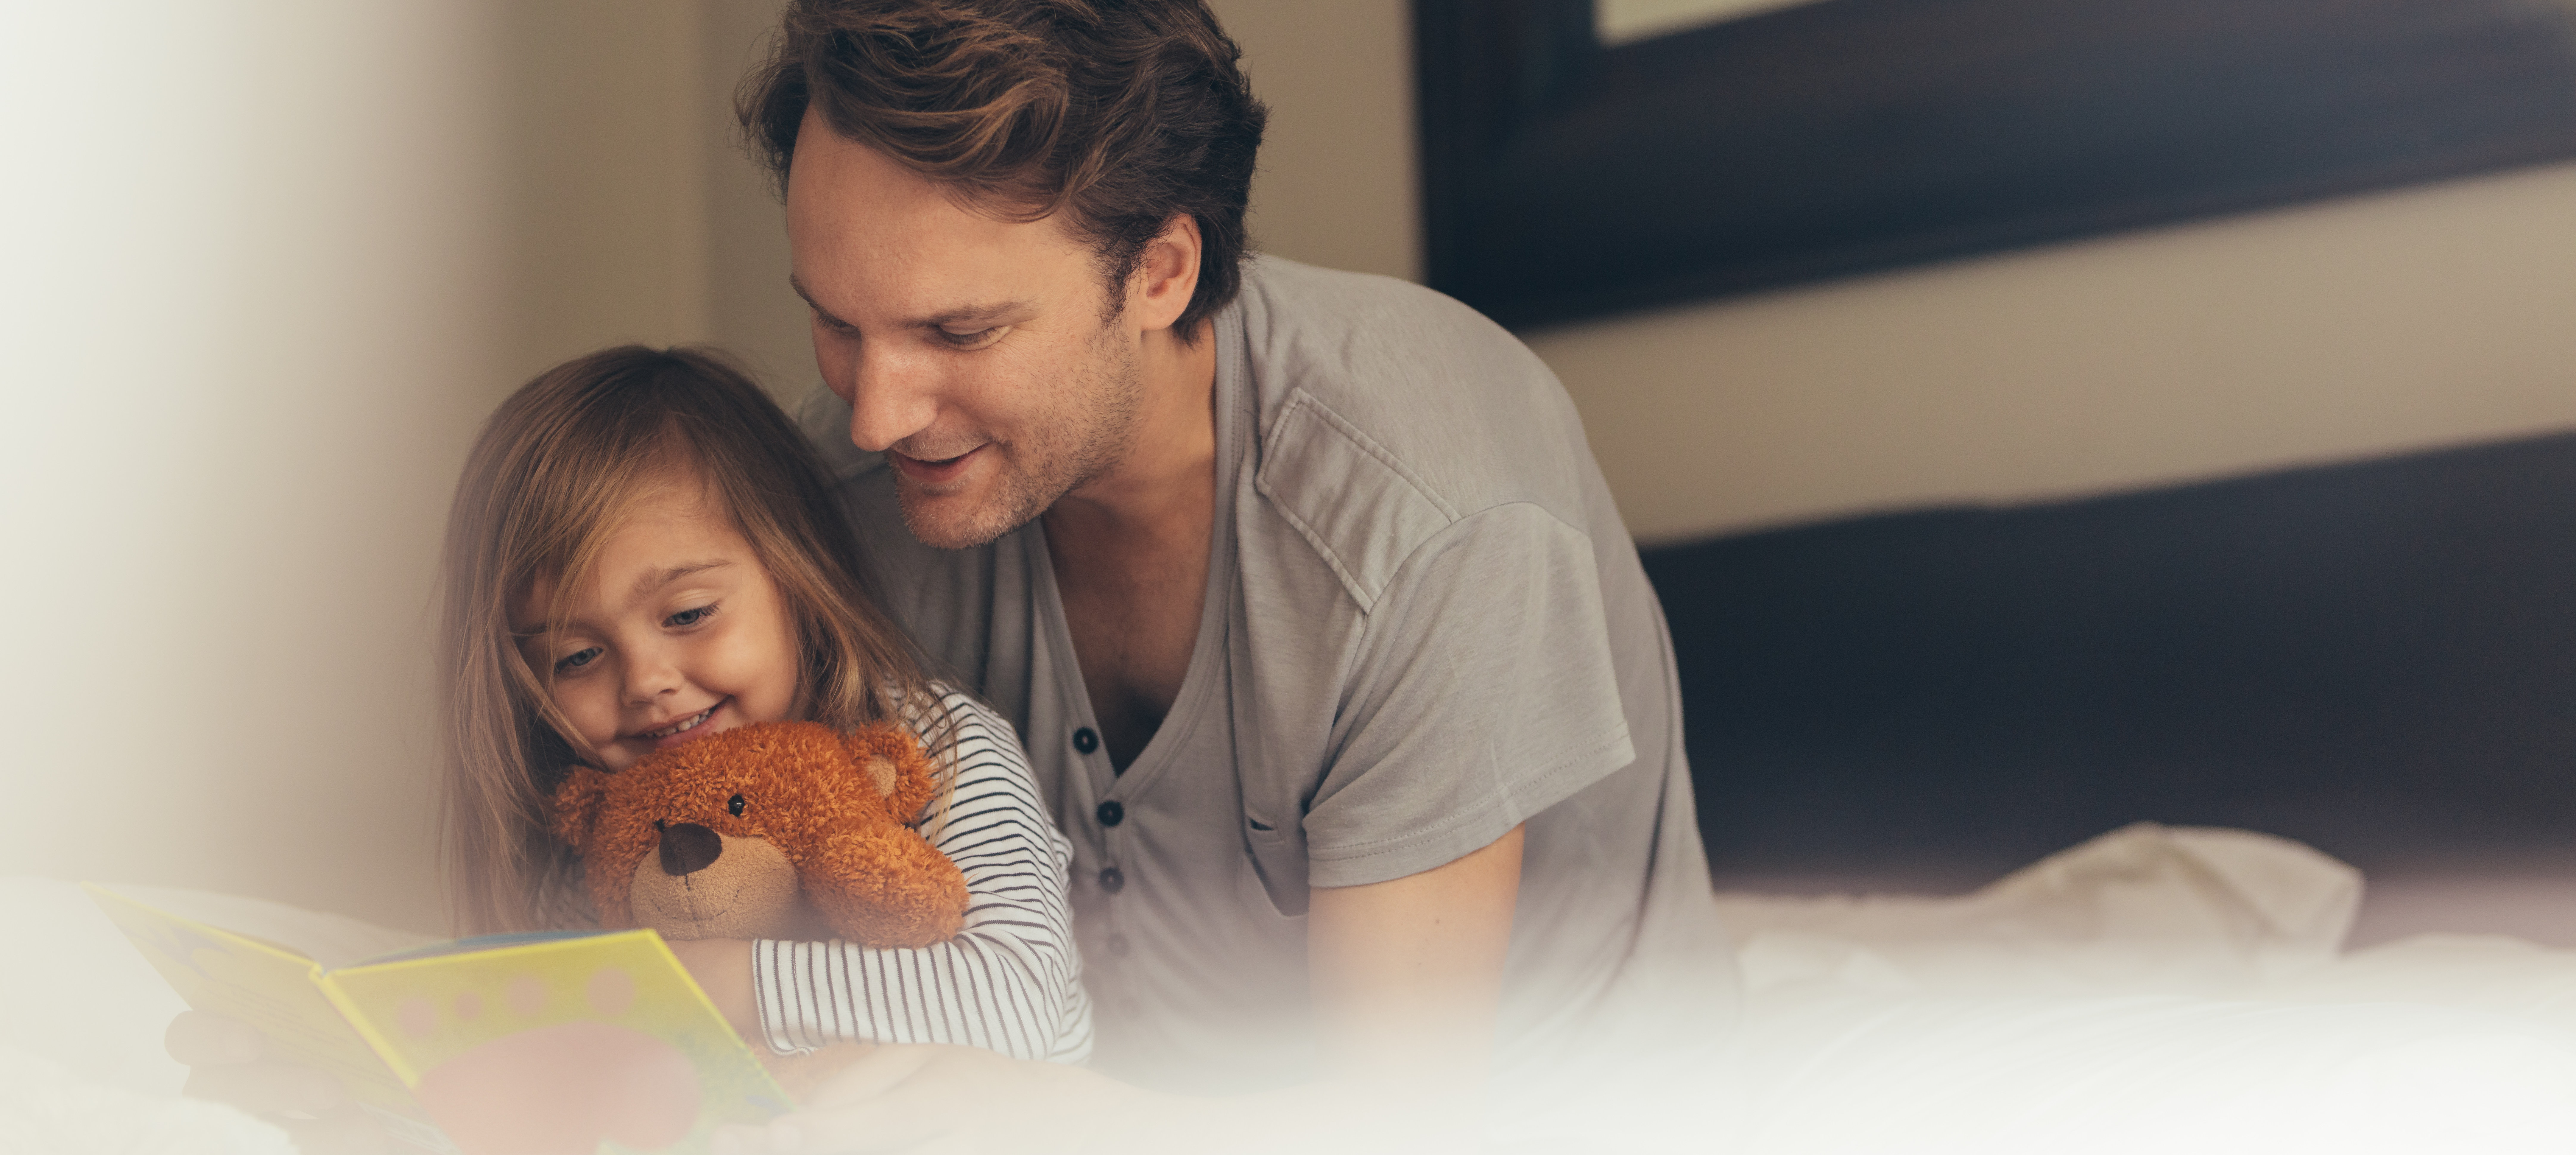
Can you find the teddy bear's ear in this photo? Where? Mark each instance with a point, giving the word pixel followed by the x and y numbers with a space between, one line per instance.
pixel 893 761
pixel 576 806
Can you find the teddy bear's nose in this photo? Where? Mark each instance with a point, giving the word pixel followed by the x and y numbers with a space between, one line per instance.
pixel 688 848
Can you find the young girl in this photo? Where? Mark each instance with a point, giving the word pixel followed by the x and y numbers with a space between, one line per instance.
pixel 643 551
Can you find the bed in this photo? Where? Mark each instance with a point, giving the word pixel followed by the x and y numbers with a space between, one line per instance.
pixel 2152 989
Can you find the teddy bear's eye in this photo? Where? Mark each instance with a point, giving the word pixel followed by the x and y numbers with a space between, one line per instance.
pixel 659 824
pixel 733 805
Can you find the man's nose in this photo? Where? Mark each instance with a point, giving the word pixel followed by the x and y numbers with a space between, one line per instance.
pixel 891 398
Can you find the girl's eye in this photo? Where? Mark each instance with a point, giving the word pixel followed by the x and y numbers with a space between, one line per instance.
pixel 578 659
pixel 687 618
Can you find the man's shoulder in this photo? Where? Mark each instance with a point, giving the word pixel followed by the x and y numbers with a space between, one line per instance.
pixel 1313 298
pixel 1371 384
pixel 1359 337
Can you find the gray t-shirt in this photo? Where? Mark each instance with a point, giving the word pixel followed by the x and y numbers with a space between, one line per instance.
pixel 1424 624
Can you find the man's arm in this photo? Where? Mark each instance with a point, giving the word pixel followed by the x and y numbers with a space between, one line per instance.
pixel 1408 973
pixel 1407 979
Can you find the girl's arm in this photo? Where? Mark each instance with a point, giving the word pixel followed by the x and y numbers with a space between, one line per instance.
pixel 1008 982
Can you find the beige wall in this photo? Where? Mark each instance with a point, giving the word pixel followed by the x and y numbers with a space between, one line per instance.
pixel 252 334
pixel 2382 324
pixel 606 174
pixel 2371 325
pixel 1336 183
pixel 249 335
pixel 751 310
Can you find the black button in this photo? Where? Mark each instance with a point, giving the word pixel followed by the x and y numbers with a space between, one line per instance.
pixel 1084 741
pixel 1112 881
pixel 1118 945
pixel 1111 813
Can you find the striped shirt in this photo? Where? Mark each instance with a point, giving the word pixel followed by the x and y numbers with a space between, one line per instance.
pixel 1010 981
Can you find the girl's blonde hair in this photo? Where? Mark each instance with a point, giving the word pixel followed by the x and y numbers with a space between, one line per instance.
pixel 554 473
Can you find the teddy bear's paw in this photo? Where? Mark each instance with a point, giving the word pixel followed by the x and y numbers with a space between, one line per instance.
pixel 887 887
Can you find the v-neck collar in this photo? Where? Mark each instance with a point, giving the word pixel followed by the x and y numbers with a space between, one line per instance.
pixel 1204 679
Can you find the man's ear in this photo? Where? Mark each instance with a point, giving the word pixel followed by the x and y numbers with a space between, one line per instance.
pixel 576 806
pixel 1167 274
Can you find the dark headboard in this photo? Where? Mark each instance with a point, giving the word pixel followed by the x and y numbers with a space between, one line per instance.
pixel 2378 659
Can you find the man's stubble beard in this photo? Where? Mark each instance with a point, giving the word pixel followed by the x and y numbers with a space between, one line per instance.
pixel 1064 450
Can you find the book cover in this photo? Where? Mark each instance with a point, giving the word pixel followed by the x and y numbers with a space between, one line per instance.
pixel 563 1043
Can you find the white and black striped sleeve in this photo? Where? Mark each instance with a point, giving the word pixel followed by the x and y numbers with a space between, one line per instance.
pixel 1011 981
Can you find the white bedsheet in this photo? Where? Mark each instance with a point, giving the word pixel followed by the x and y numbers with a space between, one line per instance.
pixel 2145 908
pixel 2154 990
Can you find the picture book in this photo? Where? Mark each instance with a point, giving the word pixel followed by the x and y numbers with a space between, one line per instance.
pixel 540 1043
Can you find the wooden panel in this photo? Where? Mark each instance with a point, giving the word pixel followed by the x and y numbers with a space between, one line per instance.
pixel 1563 180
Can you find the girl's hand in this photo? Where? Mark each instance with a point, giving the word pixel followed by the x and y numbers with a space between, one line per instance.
pixel 722 967
pixel 227 1063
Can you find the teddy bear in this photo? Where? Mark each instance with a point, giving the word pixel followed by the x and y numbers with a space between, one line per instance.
pixel 774 830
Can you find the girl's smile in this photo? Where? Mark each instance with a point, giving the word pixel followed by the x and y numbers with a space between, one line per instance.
pixel 676 633
pixel 684 729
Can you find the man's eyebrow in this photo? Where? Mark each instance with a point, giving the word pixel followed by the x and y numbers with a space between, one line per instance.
pixel 949 318
pixel 656 579
pixel 977 314
pixel 808 298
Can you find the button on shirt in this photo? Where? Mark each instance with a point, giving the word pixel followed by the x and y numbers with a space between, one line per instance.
pixel 1424 625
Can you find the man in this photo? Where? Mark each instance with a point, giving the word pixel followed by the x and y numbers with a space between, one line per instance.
pixel 1327 644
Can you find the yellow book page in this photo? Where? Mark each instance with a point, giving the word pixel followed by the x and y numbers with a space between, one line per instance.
pixel 560 1044
pixel 272 988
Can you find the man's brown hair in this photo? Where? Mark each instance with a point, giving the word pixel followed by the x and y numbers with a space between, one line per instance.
pixel 1120 113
